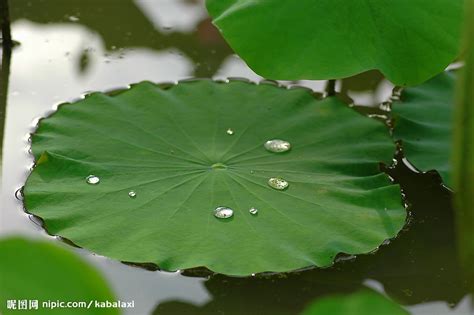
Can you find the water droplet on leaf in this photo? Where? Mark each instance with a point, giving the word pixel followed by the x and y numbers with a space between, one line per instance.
pixel 253 211
pixel 230 132
pixel 223 212
pixel 92 179
pixel 132 194
pixel 278 183
pixel 277 146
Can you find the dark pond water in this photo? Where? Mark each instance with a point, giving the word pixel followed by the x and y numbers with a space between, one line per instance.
pixel 71 47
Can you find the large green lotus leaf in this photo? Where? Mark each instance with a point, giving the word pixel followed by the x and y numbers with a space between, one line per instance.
pixel 409 41
pixel 363 302
pixel 40 271
pixel 424 122
pixel 172 147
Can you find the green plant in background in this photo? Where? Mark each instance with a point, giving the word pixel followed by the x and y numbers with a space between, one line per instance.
pixel 423 120
pixel 409 41
pixel 362 302
pixel 199 146
pixel 39 271
pixel 464 151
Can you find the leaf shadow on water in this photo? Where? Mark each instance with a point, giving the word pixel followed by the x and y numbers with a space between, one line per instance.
pixel 419 266
pixel 204 45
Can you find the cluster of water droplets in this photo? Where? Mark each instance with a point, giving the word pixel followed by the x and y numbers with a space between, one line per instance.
pixel 94 180
pixel 222 212
pixel 277 183
pixel 226 212
pixel 277 146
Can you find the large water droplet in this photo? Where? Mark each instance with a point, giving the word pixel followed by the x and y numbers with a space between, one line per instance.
pixel 92 179
pixel 230 132
pixel 253 211
pixel 277 146
pixel 132 194
pixel 223 212
pixel 278 183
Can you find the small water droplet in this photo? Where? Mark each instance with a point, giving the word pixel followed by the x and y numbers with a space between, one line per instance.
pixel 278 183
pixel 230 132
pixel 277 146
pixel 223 212
pixel 253 211
pixel 92 179
pixel 132 194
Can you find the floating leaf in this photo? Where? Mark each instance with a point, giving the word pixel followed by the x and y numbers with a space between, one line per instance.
pixel 423 121
pixel 40 271
pixel 171 147
pixel 409 41
pixel 360 303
